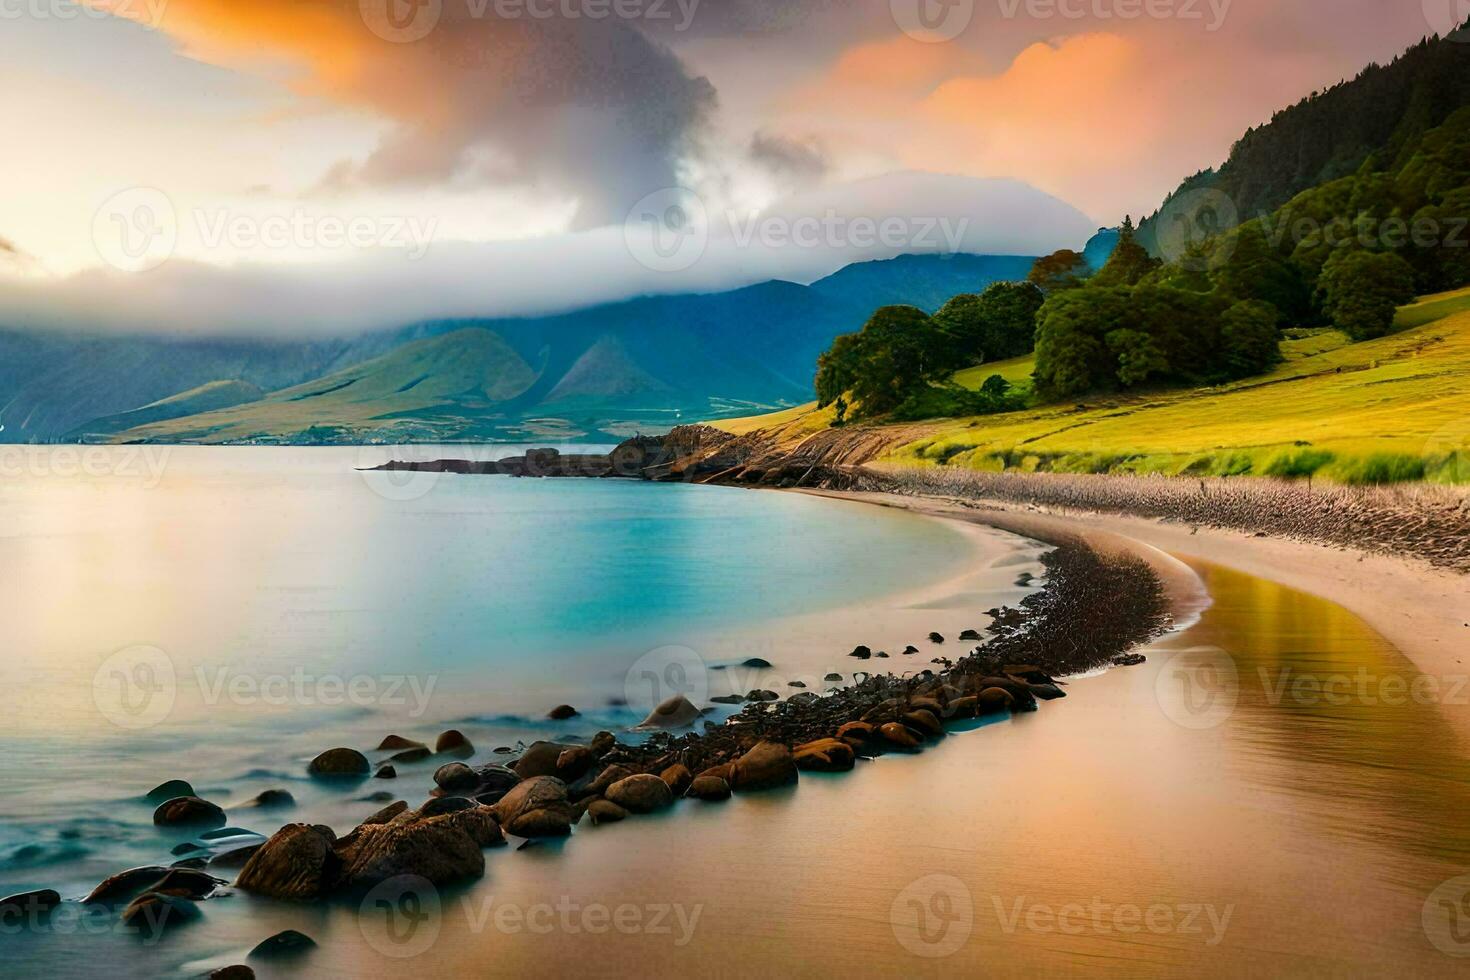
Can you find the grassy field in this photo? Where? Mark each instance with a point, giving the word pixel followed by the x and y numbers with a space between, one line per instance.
pixel 1388 410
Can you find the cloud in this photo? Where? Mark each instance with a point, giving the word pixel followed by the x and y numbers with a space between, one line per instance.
pixel 799 239
pixel 594 109
pixel 801 160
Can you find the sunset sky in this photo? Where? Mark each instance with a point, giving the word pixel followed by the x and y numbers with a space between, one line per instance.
pixel 499 126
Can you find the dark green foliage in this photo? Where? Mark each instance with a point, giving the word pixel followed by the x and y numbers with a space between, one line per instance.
pixel 1253 269
pixel 1129 263
pixel 1063 269
pixel 1250 338
pixel 898 353
pixel 996 325
pixel 1362 290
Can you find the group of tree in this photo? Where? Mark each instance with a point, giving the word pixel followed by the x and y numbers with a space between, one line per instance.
pixel 902 352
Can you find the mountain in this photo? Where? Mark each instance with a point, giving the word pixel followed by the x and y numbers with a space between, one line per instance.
pixel 598 373
pixel 1366 122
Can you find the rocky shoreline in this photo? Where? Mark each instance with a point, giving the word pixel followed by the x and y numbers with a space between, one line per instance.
pixel 1091 611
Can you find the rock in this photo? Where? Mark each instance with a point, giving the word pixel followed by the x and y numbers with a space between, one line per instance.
pixel 677 712
pixel 898 736
pixel 910 650
pixel 709 788
pixel 24 908
pixel 760 695
pixel 562 712
pixel 454 777
pixel 923 721
pixel 381 796
pixel 832 677
pixel 388 812
pixel 417 754
pixel 393 743
pixel 441 805
pixel 881 654
pixel 1134 659
pixel 565 762
pixel 187 883
pixel 1046 692
pixel 170 790
pixel 936 638
pixel 678 777
pixel 453 741
pixel 643 793
pixel 969 635
pixel 296 863
pixel 235 857
pixel 271 798
pixel 766 766
pixel 729 699
pixel 438 849
pixel 495 782
pixel 964 707
pixel 719 772
pixel 340 762
pixel 386 772
pixel 126 884
pixel 536 807
pixel 236 972
pixel 796 684
pixel 861 652
pixel 824 755
pixel 756 663
pixel 603 743
pixel 605 811
pixel 288 943
pixel 1027 673
pixel 993 701
pixel 152 913
pixel 859 735
pixel 188 810
pixel 590 786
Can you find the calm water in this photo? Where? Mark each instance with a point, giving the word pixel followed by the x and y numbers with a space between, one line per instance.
pixel 1202 815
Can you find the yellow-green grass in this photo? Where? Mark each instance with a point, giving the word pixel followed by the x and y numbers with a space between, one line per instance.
pixel 807 418
pixel 1388 410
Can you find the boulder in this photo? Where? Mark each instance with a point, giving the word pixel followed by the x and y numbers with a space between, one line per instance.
pixel 936 637
pixel 1134 659
pixel 993 701
pixel 643 793
pixel 495 782
pixel 762 695
pixel 605 811
pixel 964 707
pixel 24 908
pixel 590 786
pixel 271 798
pixel 562 712
pixel 603 743
pixel 453 741
pixel 898 736
pixel 187 883
pixel 797 684
pixel 455 777
pixel 923 721
pixel 152 913
pixel 824 755
pixel 536 807
pixel 676 712
pixel 296 863
pixel 969 635
pixel 416 754
pixel 170 790
pixel 1046 692
pixel 721 771
pixel 832 677
pixel 678 777
pixel 729 699
pixel 861 652
pixel 234 858
pixel 394 743
pixel 126 884
pixel 858 734
pixel 441 805
pixel 438 849
pixel 188 810
pixel 554 759
pixel 1026 672
pixel 910 650
pixel 340 762
pixel 766 766
pixel 283 945
pixel 386 772
pixel 710 788
pixel 388 812
pixel 234 972
pixel 756 663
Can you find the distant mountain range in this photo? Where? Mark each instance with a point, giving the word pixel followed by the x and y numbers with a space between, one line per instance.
pixel 599 373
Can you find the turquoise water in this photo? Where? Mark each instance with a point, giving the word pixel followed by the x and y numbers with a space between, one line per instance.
pixel 222 615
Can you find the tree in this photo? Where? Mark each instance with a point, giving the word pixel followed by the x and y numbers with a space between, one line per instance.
pixel 1253 269
pixel 1361 291
pixel 836 372
pixel 1130 261
pixel 1060 270
pixel 1070 355
pixel 897 354
pixel 996 325
pixel 1250 338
